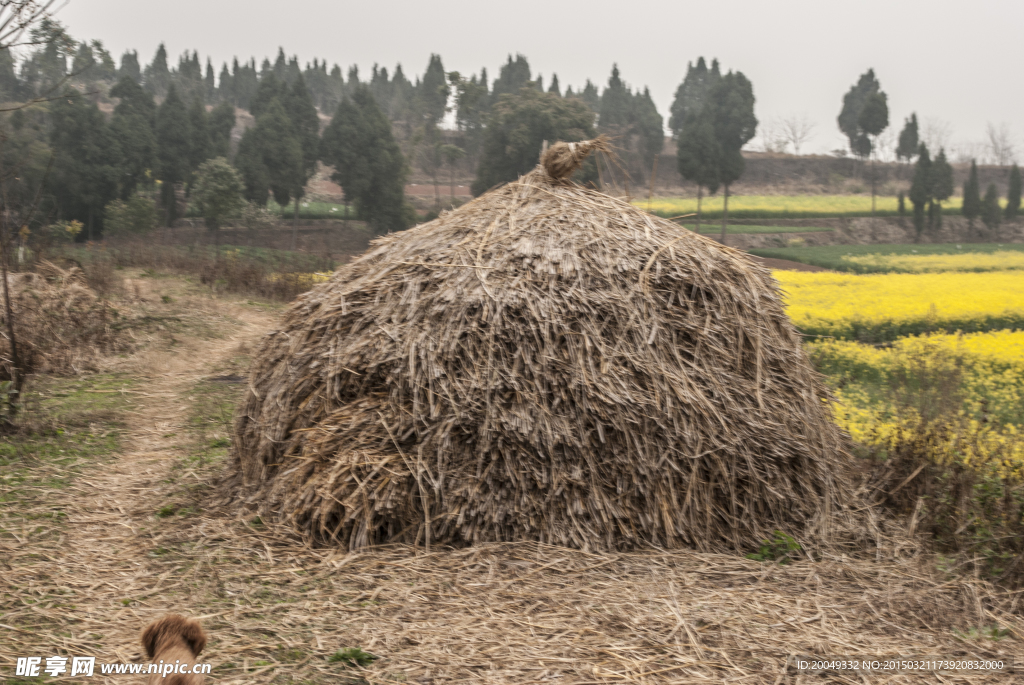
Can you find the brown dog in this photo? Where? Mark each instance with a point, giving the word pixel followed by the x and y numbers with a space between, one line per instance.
pixel 174 638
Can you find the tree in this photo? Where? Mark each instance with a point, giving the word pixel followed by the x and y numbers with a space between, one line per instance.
pixel 281 151
pixel 250 165
pixel 850 122
pixel 873 119
pixel 368 164
pixel 932 185
pixel 451 155
pixel 692 93
pixel 157 76
pixel 796 130
pixel 941 187
pixel 648 126
pixel 971 207
pixel 1013 193
pixel 132 126
pixel 218 192
pixel 731 105
pixel 1000 144
pixel 299 107
pixel 614 115
pixel 16 17
pixel 173 149
pixel 85 161
pixel 554 87
pixel 513 76
pixel 991 213
pixel 920 187
pixel 909 139
pixel 199 141
pixel 134 216
pixel 517 128
pixel 698 155
pixel 221 123
pixel 434 91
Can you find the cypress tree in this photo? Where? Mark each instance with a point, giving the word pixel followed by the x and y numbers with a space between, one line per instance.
pixel 971 207
pixel 132 126
pixel 433 93
pixel 850 122
pixel 698 155
pixel 199 142
pixel 731 104
pixel 306 127
pixel 615 104
pixel 130 66
pixel 158 76
pixel 920 187
pixel 221 122
pixel 991 213
pixel 173 145
pixel 941 187
pixel 1013 193
pixel 210 83
pixel 909 138
pixel 368 163
pixel 85 161
pixel 692 93
pixel 554 88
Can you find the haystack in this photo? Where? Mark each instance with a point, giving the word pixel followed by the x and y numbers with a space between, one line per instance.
pixel 61 326
pixel 543 363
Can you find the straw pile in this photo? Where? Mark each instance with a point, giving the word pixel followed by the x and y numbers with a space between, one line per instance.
pixel 544 363
pixel 61 326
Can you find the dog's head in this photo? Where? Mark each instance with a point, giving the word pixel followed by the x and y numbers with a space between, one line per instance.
pixel 170 627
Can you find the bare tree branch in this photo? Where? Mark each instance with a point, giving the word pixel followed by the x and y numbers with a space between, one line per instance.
pixel 1000 144
pixel 797 130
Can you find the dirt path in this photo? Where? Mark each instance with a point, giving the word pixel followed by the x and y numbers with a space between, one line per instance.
pixel 105 556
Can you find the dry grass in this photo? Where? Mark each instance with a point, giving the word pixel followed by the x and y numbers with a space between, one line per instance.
pixel 60 324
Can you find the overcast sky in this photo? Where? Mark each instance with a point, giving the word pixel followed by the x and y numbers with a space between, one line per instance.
pixel 958 65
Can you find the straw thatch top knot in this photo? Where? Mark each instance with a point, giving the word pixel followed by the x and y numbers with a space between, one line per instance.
pixel 561 160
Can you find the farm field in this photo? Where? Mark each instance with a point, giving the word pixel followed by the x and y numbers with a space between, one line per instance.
pixel 782 206
pixel 883 307
pixel 111 516
pixel 984 373
pixel 917 258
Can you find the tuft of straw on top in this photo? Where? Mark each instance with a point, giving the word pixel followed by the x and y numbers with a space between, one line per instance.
pixel 543 363
pixel 561 160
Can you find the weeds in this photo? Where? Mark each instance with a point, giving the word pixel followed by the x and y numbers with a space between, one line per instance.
pixel 353 656
pixel 781 548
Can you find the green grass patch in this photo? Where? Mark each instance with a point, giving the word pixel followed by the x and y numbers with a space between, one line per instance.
pixel 67 426
pixel 835 256
pixel 735 229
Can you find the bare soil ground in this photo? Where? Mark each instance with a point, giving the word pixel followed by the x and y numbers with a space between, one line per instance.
pixel 92 551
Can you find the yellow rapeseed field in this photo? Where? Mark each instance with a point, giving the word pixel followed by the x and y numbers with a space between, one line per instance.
pixel 1001 260
pixel 880 307
pixel 792 205
pixel 989 370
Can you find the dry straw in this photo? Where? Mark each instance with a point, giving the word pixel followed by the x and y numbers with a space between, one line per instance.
pixel 544 363
pixel 61 326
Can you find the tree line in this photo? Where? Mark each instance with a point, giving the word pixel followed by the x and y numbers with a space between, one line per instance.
pixel 115 133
